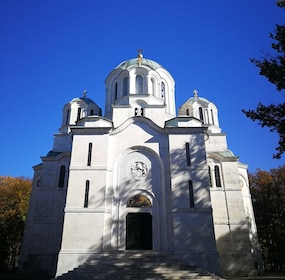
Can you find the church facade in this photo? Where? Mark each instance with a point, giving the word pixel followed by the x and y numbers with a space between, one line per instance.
pixel 140 178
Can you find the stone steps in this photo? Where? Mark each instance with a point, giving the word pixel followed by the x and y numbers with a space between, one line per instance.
pixel 136 265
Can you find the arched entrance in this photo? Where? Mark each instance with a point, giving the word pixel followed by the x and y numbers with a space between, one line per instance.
pixel 139 231
pixel 138 208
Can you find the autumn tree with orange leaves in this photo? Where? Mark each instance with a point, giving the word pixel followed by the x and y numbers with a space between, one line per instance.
pixel 268 195
pixel 14 201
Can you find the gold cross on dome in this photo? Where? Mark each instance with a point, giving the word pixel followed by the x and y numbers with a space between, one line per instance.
pixel 140 56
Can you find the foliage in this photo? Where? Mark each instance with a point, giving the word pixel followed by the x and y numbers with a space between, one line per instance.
pixel 273 68
pixel 14 201
pixel 268 195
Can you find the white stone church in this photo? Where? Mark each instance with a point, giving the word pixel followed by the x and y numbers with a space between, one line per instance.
pixel 140 178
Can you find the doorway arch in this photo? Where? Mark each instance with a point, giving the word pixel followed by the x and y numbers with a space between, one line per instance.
pixel 139 173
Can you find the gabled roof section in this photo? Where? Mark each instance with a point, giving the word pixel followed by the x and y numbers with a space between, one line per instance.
pixel 94 121
pixel 226 155
pixel 183 122
pixel 137 120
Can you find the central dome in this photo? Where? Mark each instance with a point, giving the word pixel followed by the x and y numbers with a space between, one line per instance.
pixel 134 62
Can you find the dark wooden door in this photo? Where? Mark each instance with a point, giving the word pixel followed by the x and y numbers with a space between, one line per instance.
pixel 139 231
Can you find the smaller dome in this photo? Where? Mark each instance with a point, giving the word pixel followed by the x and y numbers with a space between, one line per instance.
pixel 202 109
pixel 84 99
pixel 134 62
pixel 198 99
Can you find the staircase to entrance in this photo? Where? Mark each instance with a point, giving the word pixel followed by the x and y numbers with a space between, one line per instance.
pixel 148 265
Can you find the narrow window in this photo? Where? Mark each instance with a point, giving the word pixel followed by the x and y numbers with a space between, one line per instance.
pixel 218 176
pixel 191 194
pixel 86 197
pixel 61 177
pixel 212 115
pixel 201 116
pixel 187 150
pixel 78 114
pixel 141 111
pixel 89 154
pixel 100 112
pixel 210 177
pixel 153 86
pixel 91 112
pixel 139 84
pixel 187 112
pixel 67 117
pixel 125 86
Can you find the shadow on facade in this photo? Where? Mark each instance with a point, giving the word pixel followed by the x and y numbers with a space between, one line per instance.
pixel 239 251
pixel 189 227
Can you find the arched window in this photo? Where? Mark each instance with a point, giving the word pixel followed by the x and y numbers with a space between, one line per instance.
pixel 218 177
pixel 153 86
pixel 78 114
pixel 89 154
pixel 61 177
pixel 212 115
pixel 210 177
pixel 140 201
pixel 191 194
pixel 138 111
pixel 139 84
pixel 67 117
pixel 86 196
pixel 126 86
pixel 187 112
pixel 201 115
pixel 188 155
pixel 91 112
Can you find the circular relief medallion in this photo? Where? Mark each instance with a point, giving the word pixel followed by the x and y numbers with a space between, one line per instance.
pixel 139 170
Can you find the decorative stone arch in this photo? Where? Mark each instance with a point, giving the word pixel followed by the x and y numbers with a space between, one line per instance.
pixel 138 72
pixel 244 185
pixel 169 83
pixel 138 170
pixel 149 195
pixel 123 84
pixel 153 80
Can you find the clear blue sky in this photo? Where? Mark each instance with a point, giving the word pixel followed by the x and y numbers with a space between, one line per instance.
pixel 51 50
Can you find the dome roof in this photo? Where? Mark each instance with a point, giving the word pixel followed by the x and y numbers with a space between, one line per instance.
pixel 134 62
pixel 84 99
pixel 197 99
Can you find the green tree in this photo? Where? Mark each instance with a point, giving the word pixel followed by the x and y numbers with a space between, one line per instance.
pixel 268 195
pixel 273 68
pixel 14 201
